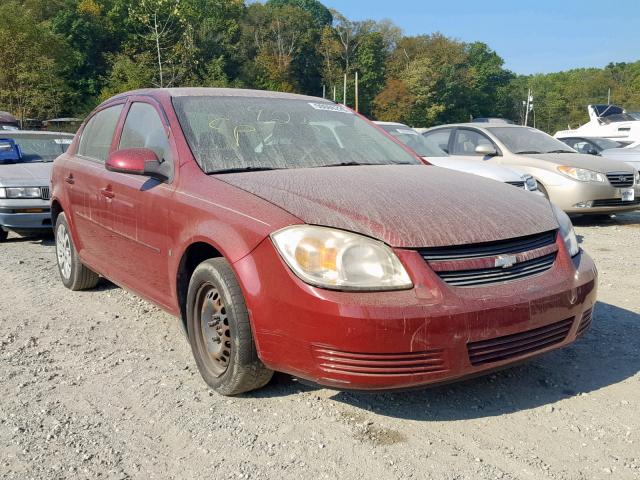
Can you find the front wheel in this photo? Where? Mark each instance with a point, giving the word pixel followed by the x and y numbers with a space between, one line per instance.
pixel 220 333
pixel 3 234
pixel 74 274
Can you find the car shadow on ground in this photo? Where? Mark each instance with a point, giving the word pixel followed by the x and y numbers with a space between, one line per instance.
pixel 630 219
pixel 607 354
pixel 45 239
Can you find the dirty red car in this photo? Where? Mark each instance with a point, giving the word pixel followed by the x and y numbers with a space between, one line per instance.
pixel 290 234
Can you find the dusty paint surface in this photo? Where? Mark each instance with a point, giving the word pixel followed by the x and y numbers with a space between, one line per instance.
pixel 403 205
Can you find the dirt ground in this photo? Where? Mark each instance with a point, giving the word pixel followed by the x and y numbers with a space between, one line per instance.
pixel 102 385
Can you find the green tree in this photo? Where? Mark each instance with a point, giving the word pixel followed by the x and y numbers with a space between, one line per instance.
pixel 320 14
pixel 30 84
pixel 370 65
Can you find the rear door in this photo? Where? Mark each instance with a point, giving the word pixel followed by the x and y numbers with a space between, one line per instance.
pixel 141 206
pixel 89 206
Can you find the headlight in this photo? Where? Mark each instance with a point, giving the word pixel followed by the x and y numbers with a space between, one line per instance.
pixel 20 192
pixel 566 230
pixel 3 192
pixel 583 175
pixel 530 183
pixel 339 260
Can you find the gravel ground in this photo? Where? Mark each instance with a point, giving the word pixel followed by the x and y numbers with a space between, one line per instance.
pixel 101 384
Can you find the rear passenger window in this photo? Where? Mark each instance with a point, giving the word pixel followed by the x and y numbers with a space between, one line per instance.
pixel 98 133
pixel 143 129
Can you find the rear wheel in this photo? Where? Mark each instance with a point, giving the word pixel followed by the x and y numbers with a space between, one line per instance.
pixel 220 333
pixel 3 234
pixel 74 274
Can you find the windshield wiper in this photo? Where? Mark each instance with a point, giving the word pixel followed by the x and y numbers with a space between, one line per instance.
pixel 349 164
pixel 242 169
pixel 526 151
pixel 559 151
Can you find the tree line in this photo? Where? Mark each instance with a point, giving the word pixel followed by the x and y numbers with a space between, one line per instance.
pixel 62 57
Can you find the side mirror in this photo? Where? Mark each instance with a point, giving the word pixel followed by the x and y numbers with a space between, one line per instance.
pixel 137 161
pixel 592 151
pixel 486 150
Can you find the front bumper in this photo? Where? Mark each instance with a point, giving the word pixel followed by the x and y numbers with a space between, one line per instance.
pixel 569 194
pixel 404 339
pixel 25 214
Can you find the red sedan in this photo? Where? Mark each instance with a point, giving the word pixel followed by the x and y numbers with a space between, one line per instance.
pixel 288 233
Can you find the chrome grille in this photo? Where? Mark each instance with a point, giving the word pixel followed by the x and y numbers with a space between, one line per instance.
pixel 483 263
pixel 469 278
pixel 44 193
pixel 489 249
pixel 621 179
pixel 510 346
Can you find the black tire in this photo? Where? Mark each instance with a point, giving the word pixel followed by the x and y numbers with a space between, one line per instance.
pixel 223 346
pixel 73 273
pixel 3 234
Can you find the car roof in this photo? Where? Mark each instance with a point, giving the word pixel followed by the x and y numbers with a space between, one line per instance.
pixel 217 92
pixel 480 125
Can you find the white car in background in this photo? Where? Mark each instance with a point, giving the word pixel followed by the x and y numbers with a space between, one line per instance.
pixel 436 156
pixel 607 121
pixel 606 148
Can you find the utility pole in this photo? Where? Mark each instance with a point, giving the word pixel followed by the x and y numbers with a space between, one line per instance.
pixel 528 107
pixel 609 97
pixel 344 91
pixel 334 93
pixel 356 92
pixel 324 91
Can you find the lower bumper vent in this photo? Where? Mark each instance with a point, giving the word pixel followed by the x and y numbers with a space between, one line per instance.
pixel 585 323
pixel 384 364
pixel 510 346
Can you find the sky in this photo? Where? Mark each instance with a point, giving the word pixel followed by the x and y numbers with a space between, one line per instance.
pixel 536 36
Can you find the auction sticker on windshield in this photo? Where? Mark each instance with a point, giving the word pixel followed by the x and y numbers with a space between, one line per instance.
pixel 628 194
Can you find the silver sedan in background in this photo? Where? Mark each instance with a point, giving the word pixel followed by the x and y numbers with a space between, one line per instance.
pixel 25 173
pixel 577 183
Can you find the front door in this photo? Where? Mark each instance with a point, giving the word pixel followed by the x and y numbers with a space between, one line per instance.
pixel 141 208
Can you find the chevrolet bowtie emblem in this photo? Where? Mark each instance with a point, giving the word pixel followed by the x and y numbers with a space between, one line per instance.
pixel 505 261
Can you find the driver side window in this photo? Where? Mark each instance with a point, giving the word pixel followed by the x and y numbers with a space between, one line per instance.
pixel 466 142
pixel 144 129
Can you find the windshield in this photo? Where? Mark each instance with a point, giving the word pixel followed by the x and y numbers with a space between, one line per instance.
pixel 528 140
pixel 605 143
pixel 39 148
pixel 423 146
pixel 229 134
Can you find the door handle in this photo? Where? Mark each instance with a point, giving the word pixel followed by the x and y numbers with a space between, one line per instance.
pixel 107 192
pixel 69 179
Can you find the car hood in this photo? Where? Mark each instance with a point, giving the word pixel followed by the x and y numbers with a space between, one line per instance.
pixel 626 153
pixel 581 160
pixel 35 174
pixel 403 205
pixel 476 167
